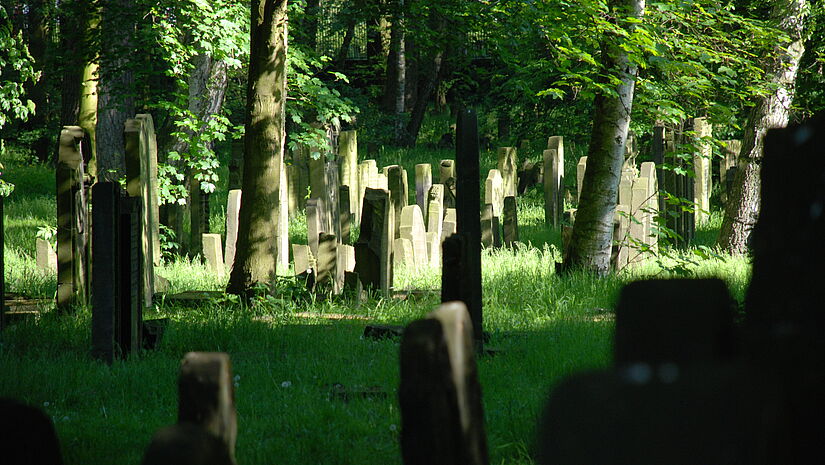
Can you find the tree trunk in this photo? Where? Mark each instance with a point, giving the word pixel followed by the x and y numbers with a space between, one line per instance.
pixel 115 88
pixel 255 256
pixel 396 69
pixel 771 111
pixel 592 236
pixel 430 81
pixel 38 29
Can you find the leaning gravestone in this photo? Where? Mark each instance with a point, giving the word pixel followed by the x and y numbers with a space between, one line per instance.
pixel 116 279
pixel 233 210
pixel 439 393
pixel 373 250
pixel 554 181
pixel 72 219
pixel 468 215
pixel 141 162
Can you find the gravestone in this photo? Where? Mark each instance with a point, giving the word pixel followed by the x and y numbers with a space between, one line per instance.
pixel 701 166
pixel 620 249
pixel 648 171
pixel 348 154
pixel 399 193
pixel 282 227
pixel 367 177
pixel 510 221
pixel 450 224
pixel 638 203
pixel 554 181
pixel 373 250
pixel 434 249
pixel 302 257
pixel 206 396
pixel 580 168
pixel 468 215
pixel 233 209
pixel 72 219
pixel 727 166
pixel 345 215
pixel 446 171
pixel 212 253
pixel 508 167
pixel 27 434
pixel 186 444
pixel 141 162
pixel 402 253
pixel 45 258
pixel 117 278
pixel 382 182
pixel 439 393
pixel 327 262
pixel 487 225
pixel 412 228
pixel 297 169
pixel 316 223
pixel 494 192
pixel 423 182
pixel 435 208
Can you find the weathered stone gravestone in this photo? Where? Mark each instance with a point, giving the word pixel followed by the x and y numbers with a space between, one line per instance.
pixel 117 278
pixel 580 168
pixel 45 257
pixel 212 253
pixel 434 216
pixel 302 258
pixel 423 182
pixel 327 263
pixel 449 226
pixel 402 253
pixel 297 170
pixel 508 167
pixel 348 154
pixel 323 179
pixel 434 249
pixel 446 171
pixel 677 395
pixel 141 182
pixel 373 250
pixel 412 228
pixel 344 213
pixel 27 434
pixel 554 181
pixel 367 177
pixel 439 394
pixel 316 215
pixel 399 193
pixel 701 168
pixel 447 177
pixel 494 192
pixel 72 219
pixel 510 221
pixel 487 227
pixel 727 165
pixel 207 423
pixel 233 209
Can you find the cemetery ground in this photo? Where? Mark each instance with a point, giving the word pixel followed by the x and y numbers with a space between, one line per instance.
pixel 309 387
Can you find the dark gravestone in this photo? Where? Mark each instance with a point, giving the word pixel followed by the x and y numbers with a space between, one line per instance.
pixel 117 245
pixel 674 321
pixel 510 215
pixel 784 320
pixel 399 192
pixel 186 444
pixel 72 218
pixel 327 261
pixel 373 248
pixel 206 396
pixel 529 175
pixel 468 199
pixel 27 435
pixel 344 205
pixel 442 418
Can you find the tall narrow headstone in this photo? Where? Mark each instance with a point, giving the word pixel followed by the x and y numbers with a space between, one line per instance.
pixel 206 396
pixel 468 195
pixel 412 228
pixel 439 394
pixel 435 208
pixel 348 154
pixel 212 253
pixel 508 167
pixel 72 220
pixel 580 168
pixel 399 192
pixel 494 192
pixel 510 221
pixel 450 224
pixel 373 250
pixel 367 177
pixel 487 225
pixel 554 181
pixel 233 209
pixel 139 184
pixel 423 182
pixel 702 171
pixel 316 223
pixel 344 212
pixel 434 249
pixel 282 231
pixel 150 155
pixel 648 171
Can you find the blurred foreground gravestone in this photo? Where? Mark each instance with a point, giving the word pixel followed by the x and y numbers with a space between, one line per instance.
pixel 207 423
pixel 442 417
pixel 116 279
pixel 677 393
pixel 27 435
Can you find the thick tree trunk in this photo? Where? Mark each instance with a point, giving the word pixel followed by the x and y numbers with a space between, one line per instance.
pixel 115 87
pixel 38 35
pixel 771 111
pixel 430 81
pixel 396 69
pixel 592 237
pixel 256 251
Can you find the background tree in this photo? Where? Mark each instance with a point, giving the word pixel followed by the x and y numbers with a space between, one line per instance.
pixel 255 258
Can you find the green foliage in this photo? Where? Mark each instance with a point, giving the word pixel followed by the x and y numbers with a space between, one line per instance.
pixel 16 69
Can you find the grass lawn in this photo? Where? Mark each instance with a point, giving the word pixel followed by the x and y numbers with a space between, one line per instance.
pixel 546 327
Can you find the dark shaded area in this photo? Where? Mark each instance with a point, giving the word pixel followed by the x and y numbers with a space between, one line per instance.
pixel 27 435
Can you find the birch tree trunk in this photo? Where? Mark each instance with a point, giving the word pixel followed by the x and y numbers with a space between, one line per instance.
pixel 592 236
pixel 771 111
pixel 256 252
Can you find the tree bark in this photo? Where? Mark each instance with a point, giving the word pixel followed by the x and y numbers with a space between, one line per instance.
pixel 396 70
pixel 38 35
pixel 256 252
pixel 115 88
pixel 771 111
pixel 592 236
